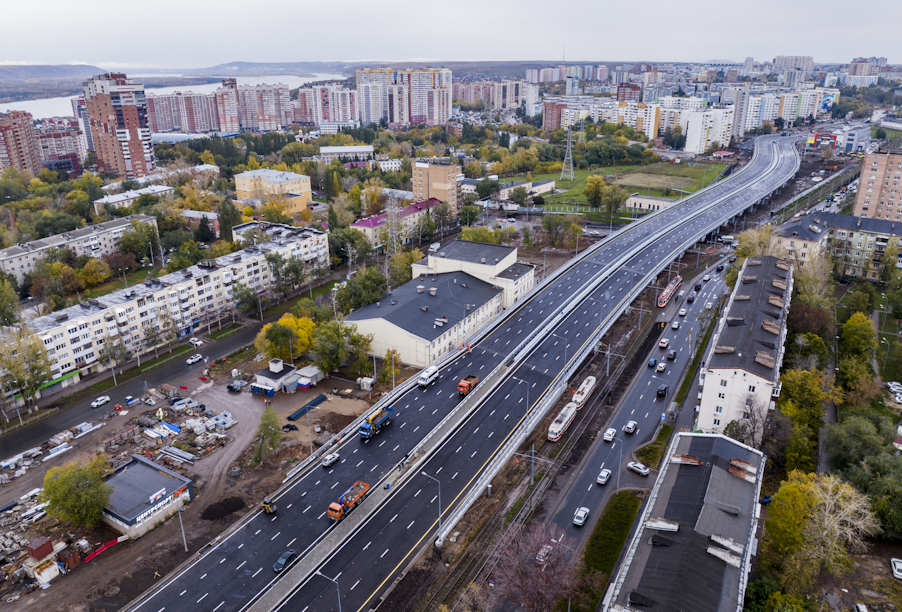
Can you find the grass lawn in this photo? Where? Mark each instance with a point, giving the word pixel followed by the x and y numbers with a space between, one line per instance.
pixel 890 134
pixel 223 333
pixel 287 305
pixel 651 454
pixel 114 283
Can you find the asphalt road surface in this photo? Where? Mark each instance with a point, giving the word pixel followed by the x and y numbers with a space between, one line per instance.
pixel 230 575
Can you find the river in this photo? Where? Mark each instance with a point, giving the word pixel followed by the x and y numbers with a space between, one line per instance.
pixel 62 107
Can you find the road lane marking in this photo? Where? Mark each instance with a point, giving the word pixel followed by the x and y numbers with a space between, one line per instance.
pixel 202 598
pixel 257 572
pixel 383 554
pixel 367 545
pixel 418 492
pixel 275 536
pixel 333 486
pixel 321 516
pixel 219 606
pixel 183 592
pixel 433 499
pixel 393 518
pixel 223 561
pixel 355 584
pixel 292 542
pixel 474 453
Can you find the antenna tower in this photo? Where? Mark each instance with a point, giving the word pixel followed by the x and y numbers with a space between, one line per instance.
pixel 567 169
pixel 392 228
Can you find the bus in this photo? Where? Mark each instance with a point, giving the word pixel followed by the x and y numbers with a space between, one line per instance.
pixel 669 290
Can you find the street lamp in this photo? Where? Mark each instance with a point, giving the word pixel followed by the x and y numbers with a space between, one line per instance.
pixel 560 542
pixel 883 341
pixel 439 500
pixel 565 347
pixel 319 573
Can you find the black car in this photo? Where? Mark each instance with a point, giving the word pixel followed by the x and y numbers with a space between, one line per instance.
pixel 671 355
pixel 732 259
pixel 284 560
pixel 662 390
pixel 698 286
pixel 720 268
pixel 173 400
pixel 690 299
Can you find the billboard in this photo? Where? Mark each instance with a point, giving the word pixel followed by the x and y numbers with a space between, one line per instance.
pixel 827 100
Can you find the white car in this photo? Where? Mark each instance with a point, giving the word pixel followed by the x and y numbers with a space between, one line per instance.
pixel 675 325
pixel 329 459
pixel 708 305
pixel 682 312
pixel 663 343
pixel 196 342
pixel 603 476
pixel 637 467
pixel 543 554
pixel 100 401
pixel 610 434
pixel 898 398
pixel 194 359
pixel 579 519
pixel 630 427
pixel 706 277
pixel 896 564
pixel 661 367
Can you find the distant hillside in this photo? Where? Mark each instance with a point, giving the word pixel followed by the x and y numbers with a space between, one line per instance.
pixel 268 69
pixel 28 72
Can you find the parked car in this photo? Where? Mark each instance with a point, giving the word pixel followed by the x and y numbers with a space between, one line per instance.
pixel 284 560
pixel 896 565
pixel 543 553
pixel 100 401
pixel 630 427
pixel 663 343
pixel 329 459
pixel 194 359
pixel 661 367
pixel 174 399
pixel 236 385
pixel 196 342
pixel 637 467
pixel 581 516
pixel 603 476
pixel 683 312
pixel 609 434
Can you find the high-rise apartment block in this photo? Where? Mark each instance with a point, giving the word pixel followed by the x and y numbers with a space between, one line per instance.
pixel 706 128
pixel 805 63
pixel 19 147
pixel 80 111
pixel 117 112
pixel 627 92
pixel 861 68
pixel 264 108
pixel 369 100
pixel 880 185
pixel 227 109
pixel 437 181
pixel 428 94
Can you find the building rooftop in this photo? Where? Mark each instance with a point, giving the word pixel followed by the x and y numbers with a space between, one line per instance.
pixel 855 224
pixel 287 369
pixel 399 194
pixel 126 196
pixel 135 483
pixel 349 149
pixel 655 198
pixel 420 313
pixel 274 176
pixel 475 252
pixel 516 270
pixel 802 228
pixel 60 240
pixel 750 335
pixel 199 214
pixel 695 538
pixel 412 208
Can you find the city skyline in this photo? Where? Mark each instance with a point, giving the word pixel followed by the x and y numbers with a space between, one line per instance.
pixel 687 35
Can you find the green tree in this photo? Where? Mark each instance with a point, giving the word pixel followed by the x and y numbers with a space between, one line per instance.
pixel 204 233
pixel 75 493
pixel 359 347
pixel 333 218
pixel 269 433
pixel 367 286
pixel 354 198
pixel 275 341
pixel 858 302
pixel 858 337
pixel 800 451
pixel 613 197
pixel 554 226
pixel 519 195
pixel 330 347
pixel 95 272
pixel 229 217
pixel 9 304
pixel 486 187
pixel 759 591
pixel 804 393
pixel 245 299
pixel 789 510
pixel 469 215
pixel 594 190
pixel 443 215
pixel 780 602
pixel 24 365
pixel 140 240
pixel 391 365
pixel 888 268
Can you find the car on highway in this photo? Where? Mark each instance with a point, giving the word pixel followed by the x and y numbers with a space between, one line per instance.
pixel 732 259
pixel 284 560
pixel 682 312
pixel 637 467
pixel 581 516
pixel 610 434
pixel 661 367
pixel 543 553
pixel 100 401
pixel 708 305
pixel 706 277
pixel 196 342
pixel 652 362
pixel 675 325
pixel 698 286
pixel 662 390
pixel 671 355
pixel 330 459
pixel 603 476
pixel 690 299
pixel 664 343
pixel 630 427
pixel 194 359
pixel 719 268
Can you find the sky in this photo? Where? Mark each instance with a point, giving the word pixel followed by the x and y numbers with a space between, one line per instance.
pixel 113 34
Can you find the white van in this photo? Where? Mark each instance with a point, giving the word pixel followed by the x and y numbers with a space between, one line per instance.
pixel 428 376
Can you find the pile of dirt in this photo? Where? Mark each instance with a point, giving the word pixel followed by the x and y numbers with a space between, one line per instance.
pixel 333 421
pixel 222 509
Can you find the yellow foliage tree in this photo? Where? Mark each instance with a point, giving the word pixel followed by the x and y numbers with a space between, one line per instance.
pixel 95 272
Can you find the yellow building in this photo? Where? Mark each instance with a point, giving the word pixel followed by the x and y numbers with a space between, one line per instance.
pixel 263 183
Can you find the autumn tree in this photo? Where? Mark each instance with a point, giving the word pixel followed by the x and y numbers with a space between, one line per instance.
pixel 594 190
pixel 95 272
pixel 814 281
pixel 24 365
pixel 367 286
pixel 391 365
pixel 269 434
pixel 858 337
pixel 9 304
pixel 756 242
pixel 804 393
pixel 75 493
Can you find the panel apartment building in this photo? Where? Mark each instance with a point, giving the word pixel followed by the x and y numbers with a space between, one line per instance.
pixel 879 191
pixel 19 147
pixel 117 113
pixel 93 241
pixel 412 96
pixel 182 301
pixel 438 181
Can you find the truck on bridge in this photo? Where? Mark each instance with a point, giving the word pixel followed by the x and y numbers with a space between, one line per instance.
pixel 467 384
pixel 349 500
pixel 373 423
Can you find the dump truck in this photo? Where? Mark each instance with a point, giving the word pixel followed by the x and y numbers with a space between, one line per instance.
pixel 268 506
pixel 348 501
pixel 467 384
pixel 373 423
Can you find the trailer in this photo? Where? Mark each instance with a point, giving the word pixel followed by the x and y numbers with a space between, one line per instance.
pixel 373 423
pixel 348 500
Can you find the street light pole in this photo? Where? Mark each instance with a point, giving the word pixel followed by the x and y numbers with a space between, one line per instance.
pixel 336 587
pixel 883 341
pixel 439 500
pixel 184 541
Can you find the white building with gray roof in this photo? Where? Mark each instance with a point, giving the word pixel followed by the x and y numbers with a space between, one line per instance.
pixel 740 375
pixel 93 241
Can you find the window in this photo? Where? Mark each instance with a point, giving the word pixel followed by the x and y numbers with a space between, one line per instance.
pixel 723 383
pixel 716 422
pixel 752 389
pixel 719 410
pixel 721 396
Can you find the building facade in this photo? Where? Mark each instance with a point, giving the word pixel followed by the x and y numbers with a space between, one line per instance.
pixel 880 186
pixel 412 96
pixel 410 217
pixel 19 147
pixel 117 111
pixel 259 184
pixel 127 198
pixel 804 63
pixel 437 181
pixel 638 201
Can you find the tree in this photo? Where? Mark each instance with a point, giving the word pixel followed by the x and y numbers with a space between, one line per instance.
pixel 443 216
pixel 391 365
pixel 302 329
pixel 359 347
pixel 804 394
pixel 807 319
pixel 333 218
pixel 815 282
pixel 554 226
pixel 24 365
pixel 399 266
pixel 229 217
pixel 113 352
pixel 858 302
pixel 800 450
pixel 269 433
pixel 890 257
pixel 246 299
pixel 140 240
pixel 613 197
pixel 330 348
pixel 594 190
pixel 372 196
pixel 367 286
pixel 153 337
pixel 75 493
pixel 469 215
pixel 519 195
pixel 780 602
pixel 486 187
pixel 95 272
pixel 858 337
pixel 307 308
pixel 276 210
pixel 204 233
pixel 828 153
pixel 274 341
pixel 9 304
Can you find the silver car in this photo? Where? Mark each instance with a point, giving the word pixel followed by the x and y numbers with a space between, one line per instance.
pixel 610 434
pixel 603 476
pixel 581 516
pixel 637 467
pixel 329 459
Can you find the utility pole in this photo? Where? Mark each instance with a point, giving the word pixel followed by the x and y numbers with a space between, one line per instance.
pixel 567 168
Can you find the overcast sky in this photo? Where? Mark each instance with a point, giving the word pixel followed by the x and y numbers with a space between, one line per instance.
pixel 200 33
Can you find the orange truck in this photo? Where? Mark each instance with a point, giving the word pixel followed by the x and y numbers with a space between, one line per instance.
pixel 467 384
pixel 349 500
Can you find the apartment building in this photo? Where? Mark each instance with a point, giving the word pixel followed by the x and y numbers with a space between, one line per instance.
pixel 19 146
pixel 263 108
pixel 80 112
pixel 193 219
pixel 508 94
pixel 127 198
pixel 410 217
pixel 704 128
pixel 802 239
pixel 879 190
pixel 188 112
pixel 350 153
pixel 304 108
pixel 424 96
pixel 437 181
pixel 259 184
pixel 551 116
pixel 181 301
pixel 370 102
pixel 227 110
pixel 627 92
pixel 117 109
pixel 93 241
pixel 805 63
pixel 740 378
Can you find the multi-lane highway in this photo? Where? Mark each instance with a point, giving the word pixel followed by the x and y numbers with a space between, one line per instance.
pixel 230 575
